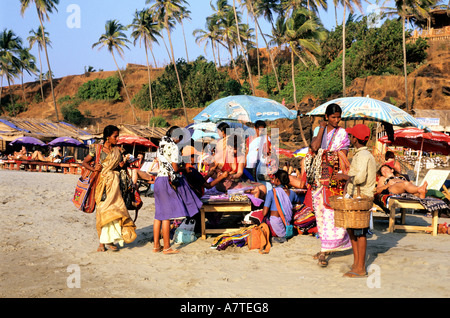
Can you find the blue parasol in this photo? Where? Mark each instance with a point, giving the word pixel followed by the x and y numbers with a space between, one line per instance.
pixel 243 108
pixel 367 108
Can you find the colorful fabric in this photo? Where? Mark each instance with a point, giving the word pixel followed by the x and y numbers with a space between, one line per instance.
pixel 109 202
pixel 429 203
pixel 332 160
pixel 238 238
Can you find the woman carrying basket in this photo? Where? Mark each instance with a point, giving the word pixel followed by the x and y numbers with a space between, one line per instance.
pixel 362 173
pixel 329 157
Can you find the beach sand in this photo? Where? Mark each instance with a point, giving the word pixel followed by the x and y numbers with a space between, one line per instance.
pixel 47 247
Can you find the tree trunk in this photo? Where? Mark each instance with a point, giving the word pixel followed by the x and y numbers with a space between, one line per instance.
pixel 257 52
pixel 40 74
pixel 48 64
pixel 295 99
pixel 232 59
pixel 149 79
pixel 214 54
pixel 125 87
pixel 404 64
pixel 153 56
pixel 184 37
pixel 23 90
pixel 242 49
pixel 343 54
pixel 267 47
pixel 178 77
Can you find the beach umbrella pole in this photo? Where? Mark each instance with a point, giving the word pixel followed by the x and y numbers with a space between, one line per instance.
pixel 418 166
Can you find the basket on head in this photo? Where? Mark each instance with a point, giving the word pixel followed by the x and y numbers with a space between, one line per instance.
pixel 351 213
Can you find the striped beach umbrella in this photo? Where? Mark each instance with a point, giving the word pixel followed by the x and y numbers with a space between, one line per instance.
pixel 244 108
pixel 360 108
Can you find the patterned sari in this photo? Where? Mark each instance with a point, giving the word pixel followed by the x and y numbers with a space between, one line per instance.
pixel 113 222
pixel 327 162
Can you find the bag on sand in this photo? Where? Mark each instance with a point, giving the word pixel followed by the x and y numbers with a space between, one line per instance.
pixel 84 197
pixel 259 238
pixel 185 234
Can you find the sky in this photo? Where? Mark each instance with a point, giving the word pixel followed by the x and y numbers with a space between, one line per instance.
pixel 79 23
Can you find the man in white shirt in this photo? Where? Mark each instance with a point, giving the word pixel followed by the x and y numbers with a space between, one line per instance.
pixel 253 155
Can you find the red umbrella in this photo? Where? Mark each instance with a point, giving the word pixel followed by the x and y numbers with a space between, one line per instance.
pixel 418 139
pixel 135 140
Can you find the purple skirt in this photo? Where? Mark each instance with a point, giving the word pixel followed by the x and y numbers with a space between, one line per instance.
pixel 170 204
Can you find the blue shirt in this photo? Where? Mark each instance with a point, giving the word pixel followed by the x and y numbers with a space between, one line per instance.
pixel 270 202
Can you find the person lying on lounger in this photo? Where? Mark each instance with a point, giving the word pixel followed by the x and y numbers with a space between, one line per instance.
pixel 19 155
pixel 391 182
pixel 53 157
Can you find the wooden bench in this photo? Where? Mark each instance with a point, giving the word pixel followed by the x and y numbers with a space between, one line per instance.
pixel 40 166
pixel 225 207
pixel 403 205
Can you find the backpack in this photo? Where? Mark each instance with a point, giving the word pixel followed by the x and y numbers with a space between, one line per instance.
pixel 259 238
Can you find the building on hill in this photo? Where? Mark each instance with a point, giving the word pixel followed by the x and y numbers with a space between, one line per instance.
pixel 437 26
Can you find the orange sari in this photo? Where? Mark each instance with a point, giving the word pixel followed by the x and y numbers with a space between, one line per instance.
pixel 111 209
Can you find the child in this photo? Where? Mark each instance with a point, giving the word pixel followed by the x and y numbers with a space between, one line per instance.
pixel 363 172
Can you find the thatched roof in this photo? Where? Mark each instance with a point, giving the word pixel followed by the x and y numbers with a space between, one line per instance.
pixel 142 131
pixel 45 130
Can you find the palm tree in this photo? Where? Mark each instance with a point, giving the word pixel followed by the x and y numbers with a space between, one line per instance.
pixel 417 8
pixel 184 14
pixel 255 17
pixel 43 8
pixel 146 30
pixel 346 3
pixel 210 35
pixel 27 64
pixel 39 37
pixel 223 19
pixel 312 5
pixel 10 48
pixel 303 34
pixel 268 9
pixel 242 48
pixel 115 39
pixel 164 10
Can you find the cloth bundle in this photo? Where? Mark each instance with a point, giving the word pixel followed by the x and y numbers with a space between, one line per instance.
pixel 304 220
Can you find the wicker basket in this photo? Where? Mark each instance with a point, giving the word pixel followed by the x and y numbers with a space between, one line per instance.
pixel 351 213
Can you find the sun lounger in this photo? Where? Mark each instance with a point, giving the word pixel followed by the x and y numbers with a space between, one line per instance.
pixel 390 204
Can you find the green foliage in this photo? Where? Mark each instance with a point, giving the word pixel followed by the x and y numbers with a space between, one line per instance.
pixel 158 121
pixel 314 82
pixel 70 111
pixel 370 51
pixel 200 80
pixel 101 89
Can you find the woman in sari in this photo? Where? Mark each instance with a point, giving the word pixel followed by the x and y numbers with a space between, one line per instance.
pixel 287 199
pixel 113 222
pixel 330 149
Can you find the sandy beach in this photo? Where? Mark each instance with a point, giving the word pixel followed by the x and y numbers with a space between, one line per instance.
pixel 45 241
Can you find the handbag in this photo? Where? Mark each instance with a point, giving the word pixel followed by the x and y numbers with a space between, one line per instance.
pixel 289 227
pixel 84 196
pixel 130 194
